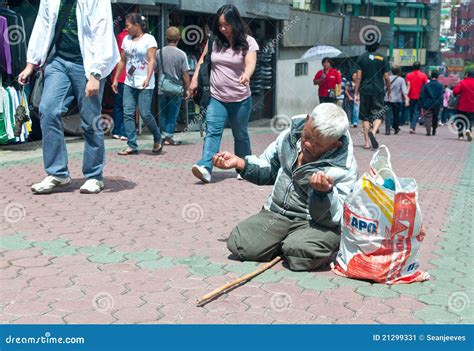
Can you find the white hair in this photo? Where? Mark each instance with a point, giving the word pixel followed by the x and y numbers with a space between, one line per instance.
pixel 330 119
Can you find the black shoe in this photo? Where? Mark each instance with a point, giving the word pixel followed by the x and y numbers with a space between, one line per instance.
pixel 428 134
pixel 434 132
pixel 373 141
pixel 397 131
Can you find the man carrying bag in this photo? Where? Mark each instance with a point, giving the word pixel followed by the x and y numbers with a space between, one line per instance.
pixel 85 54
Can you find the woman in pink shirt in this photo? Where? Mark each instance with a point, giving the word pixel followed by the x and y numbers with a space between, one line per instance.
pixel 233 61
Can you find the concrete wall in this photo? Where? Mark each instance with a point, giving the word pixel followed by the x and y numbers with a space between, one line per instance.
pixel 295 95
pixel 435 24
pixel 274 9
pixel 313 28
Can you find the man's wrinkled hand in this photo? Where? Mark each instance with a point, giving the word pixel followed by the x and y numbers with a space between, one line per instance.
pixel 321 182
pixel 226 160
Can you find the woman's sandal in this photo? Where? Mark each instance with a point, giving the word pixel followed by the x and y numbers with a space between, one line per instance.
pixel 128 151
pixel 157 148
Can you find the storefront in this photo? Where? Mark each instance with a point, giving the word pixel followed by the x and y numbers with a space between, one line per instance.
pixel 195 29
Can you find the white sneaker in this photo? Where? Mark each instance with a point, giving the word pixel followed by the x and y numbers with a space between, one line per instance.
pixel 115 136
pixel 239 177
pixel 92 186
pixel 201 173
pixel 48 184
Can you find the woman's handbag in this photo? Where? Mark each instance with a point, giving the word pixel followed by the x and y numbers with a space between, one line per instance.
pixel 203 95
pixel 169 85
pixel 453 102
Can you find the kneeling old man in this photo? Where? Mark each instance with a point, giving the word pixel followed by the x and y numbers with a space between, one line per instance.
pixel 312 169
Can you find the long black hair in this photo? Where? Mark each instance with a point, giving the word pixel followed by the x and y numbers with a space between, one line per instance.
pixel 136 18
pixel 239 28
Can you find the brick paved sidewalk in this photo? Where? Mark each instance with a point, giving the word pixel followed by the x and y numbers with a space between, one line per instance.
pixel 153 242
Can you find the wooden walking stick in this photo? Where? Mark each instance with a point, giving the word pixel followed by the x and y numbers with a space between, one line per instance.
pixel 238 281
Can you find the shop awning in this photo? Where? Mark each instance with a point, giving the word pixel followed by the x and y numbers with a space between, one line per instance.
pixel 146 2
pixel 346 2
pixel 384 3
pixel 248 8
pixel 415 6
pixel 408 28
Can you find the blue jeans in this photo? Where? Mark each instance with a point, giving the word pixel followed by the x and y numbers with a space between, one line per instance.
pixel 132 98
pixel 216 118
pixel 446 115
pixel 415 111
pixel 117 113
pixel 169 110
pixel 64 80
pixel 355 114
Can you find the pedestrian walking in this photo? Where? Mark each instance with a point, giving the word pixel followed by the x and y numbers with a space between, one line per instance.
pixel 373 71
pixel 329 81
pixel 399 94
pixel 350 105
pixel 233 57
pixel 447 110
pixel 415 81
pixel 431 98
pixel 77 69
pixel 172 65
pixel 118 132
pixel 138 58
pixel 465 90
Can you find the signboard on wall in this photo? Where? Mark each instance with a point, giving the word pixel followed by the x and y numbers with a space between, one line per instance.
pixel 455 64
pixel 407 57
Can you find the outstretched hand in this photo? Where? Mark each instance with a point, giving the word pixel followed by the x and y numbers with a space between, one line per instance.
pixel 227 160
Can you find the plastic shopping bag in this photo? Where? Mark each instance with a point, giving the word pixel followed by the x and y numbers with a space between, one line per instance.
pixel 382 228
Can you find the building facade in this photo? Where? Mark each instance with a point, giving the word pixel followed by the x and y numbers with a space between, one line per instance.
pixel 462 25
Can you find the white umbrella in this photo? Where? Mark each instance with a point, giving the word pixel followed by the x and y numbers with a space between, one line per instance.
pixel 320 51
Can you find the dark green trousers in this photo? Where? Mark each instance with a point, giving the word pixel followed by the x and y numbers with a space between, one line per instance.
pixel 266 235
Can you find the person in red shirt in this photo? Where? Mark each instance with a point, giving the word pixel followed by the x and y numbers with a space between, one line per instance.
pixel 118 132
pixel 465 110
pixel 415 81
pixel 329 81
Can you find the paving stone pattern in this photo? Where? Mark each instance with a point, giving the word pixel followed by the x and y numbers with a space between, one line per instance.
pixel 154 241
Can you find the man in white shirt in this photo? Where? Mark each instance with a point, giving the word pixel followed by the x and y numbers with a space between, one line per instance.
pixel 85 54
